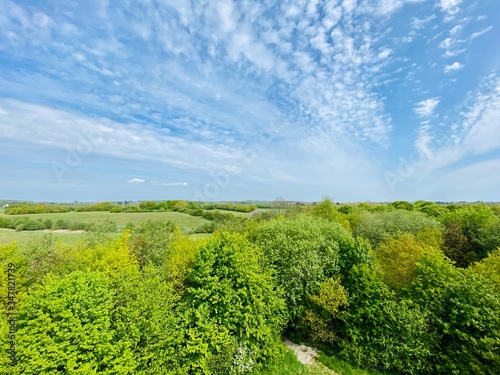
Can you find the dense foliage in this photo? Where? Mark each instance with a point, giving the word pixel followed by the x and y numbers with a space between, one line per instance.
pixel 410 288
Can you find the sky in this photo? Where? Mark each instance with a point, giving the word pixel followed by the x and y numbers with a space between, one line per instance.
pixel 359 100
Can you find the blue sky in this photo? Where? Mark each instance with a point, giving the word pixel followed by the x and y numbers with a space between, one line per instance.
pixel 361 100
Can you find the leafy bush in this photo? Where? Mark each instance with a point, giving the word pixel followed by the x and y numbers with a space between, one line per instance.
pixel 232 311
pixel 29 208
pixel 376 226
pixel 470 233
pixel 35 225
pixel 60 224
pixel 100 206
pixel 377 330
pixel 6 222
pixel 463 317
pixel 118 209
pixel 206 228
pixel 65 326
pixel 303 252
pixel 150 243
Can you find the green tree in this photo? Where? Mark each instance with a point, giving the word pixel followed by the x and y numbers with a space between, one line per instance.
pixel 303 251
pixel 232 311
pixel 144 314
pixel 150 243
pixel 43 255
pixel 328 304
pixel 430 208
pixel 489 269
pixel 65 326
pixel 489 236
pixel 377 330
pixel 398 257
pixel 148 205
pixel 402 205
pixel 464 240
pixel 463 317
pixel 180 205
pixel 326 209
pixel 376 226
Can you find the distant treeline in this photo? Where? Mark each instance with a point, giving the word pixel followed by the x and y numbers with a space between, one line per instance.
pixel 145 206
pixel 39 208
pixel 25 223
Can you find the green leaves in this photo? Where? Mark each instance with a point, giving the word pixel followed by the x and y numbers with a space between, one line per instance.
pixel 231 307
pixel 397 257
pixel 150 243
pixel 64 326
pixel 376 226
pixel 302 251
pixel 463 317
pixel 470 234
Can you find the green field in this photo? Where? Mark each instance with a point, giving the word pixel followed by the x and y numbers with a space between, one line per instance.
pixel 10 235
pixel 235 213
pixel 186 222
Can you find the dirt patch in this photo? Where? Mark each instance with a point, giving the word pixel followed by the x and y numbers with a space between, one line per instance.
pixel 305 354
pixel 62 231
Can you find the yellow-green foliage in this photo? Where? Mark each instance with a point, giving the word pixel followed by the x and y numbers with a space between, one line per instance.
pixel 115 257
pixel 181 257
pixel 65 326
pixel 329 301
pixel 331 297
pixel 489 268
pixel 397 257
pixel 432 237
pixel 327 210
pixel 232 312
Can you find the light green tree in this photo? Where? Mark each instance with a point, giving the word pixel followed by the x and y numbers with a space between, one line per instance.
pixel 232 311
pixel 65 326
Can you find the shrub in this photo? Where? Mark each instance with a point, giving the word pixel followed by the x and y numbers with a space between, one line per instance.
pixel 5 222
pixel 303 251
pixel 232 312
pixel 65 326
pixel 150 243
pixel 376 226
pixel 60 224
pixel 463 317
pixel 35 225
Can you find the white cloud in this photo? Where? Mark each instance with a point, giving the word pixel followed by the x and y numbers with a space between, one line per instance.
pixel 446 43
pixel 425 108
pixel 101 136
pixel 474 132
pixel 479 33
pixel 387 7
pixel 450 6
pixel 455 29
pixel 453 53
pixel 136 181
pixel 453 67
pixel 174 184
pixel 384 53
pixel 420 23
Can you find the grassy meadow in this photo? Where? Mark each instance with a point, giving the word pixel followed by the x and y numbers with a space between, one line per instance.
pixel 186 223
